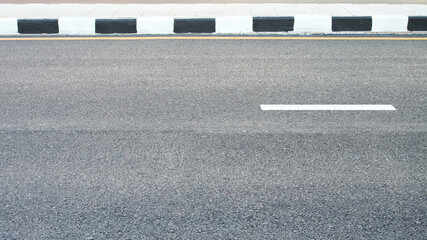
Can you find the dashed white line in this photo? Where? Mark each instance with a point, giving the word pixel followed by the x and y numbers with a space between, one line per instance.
pixel 329 107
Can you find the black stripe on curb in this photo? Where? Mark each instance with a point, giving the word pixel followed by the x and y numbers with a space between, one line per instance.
pixel 273 24
pixel 194 25
pixel 107 26
pixel 38 26
pixel 351 24
pixel 417 23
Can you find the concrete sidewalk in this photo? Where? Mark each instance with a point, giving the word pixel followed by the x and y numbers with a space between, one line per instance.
pixel 34 11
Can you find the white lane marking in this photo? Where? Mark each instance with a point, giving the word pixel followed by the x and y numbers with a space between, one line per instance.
pixel 330 107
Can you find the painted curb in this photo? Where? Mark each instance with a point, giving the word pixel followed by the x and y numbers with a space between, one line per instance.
pixel 273 24
pixel 234 24
pixel 194 25
pixel 109 26
pixel 417 23
pixel 348 24
pixel 389 23
pixel 8 26
pixel 79 26
pixel 313 23
pixel 222 25
pixel 38 26
pixel 155 25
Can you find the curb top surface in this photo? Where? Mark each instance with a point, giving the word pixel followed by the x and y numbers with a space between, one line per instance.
pixel 37 11
pixel 215 1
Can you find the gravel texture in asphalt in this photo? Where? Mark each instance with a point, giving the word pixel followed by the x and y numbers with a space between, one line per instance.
pixel 165 139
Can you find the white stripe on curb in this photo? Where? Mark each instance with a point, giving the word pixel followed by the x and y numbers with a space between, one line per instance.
pixel 8 26
pixel 79 26
pixel 234 24
pixel 313 23
pixel 154 25
pixel 348 107
pixel 389 23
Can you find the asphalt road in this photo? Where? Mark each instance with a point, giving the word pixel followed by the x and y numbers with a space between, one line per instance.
pixel 165 139
pixel 216 1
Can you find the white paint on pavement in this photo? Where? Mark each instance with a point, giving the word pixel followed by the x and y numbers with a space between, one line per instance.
pixel 81 26
pixel 154 25
pixel 330 107
pixel 233 24
pixel 8 26
pixel 313 23
pixel 389 23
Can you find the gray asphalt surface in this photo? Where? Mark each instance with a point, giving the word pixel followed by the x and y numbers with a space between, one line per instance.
pixel 165 139
pixel 217 1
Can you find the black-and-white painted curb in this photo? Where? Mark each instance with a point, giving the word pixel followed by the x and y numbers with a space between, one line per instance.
pixel 221 25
